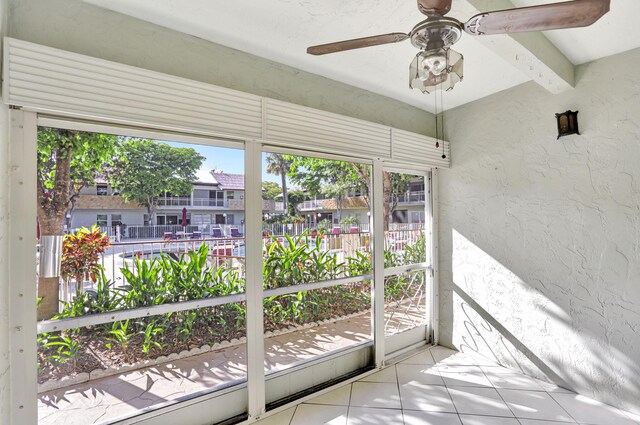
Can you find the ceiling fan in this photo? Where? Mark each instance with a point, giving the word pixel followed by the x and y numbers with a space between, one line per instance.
pixel 437 66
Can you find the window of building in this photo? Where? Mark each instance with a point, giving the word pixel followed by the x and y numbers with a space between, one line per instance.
pixel 230 194
pixel 101 220
pixel 102 190
pixel 116 219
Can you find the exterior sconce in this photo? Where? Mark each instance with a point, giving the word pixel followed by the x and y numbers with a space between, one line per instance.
pixel 567 123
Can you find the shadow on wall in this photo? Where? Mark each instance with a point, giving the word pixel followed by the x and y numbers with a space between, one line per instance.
pixel 500 316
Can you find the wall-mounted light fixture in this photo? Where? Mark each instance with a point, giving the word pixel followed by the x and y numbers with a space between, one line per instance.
pixel 567 123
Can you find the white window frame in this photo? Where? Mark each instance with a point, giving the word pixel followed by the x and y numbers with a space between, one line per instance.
pixel 106 220
pixel 411 338
pixel 24 327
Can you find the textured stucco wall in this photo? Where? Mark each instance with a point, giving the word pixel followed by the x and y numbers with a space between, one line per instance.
pixel 83 28
pixel 4 241
pixel 540 238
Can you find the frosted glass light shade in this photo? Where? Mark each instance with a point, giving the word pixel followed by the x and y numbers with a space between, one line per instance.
pixel 427 72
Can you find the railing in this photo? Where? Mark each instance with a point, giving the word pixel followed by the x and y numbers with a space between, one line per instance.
pixel 155 232
pixel 188 202
pixel 299 228
pixel 174 202
pixel 209 202
pixel 405 226
pixel 311 205
pixel 410 197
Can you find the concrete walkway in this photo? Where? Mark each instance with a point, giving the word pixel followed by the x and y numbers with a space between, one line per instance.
pixel 103 400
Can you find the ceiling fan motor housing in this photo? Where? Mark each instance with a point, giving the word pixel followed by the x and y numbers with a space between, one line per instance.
pixel 436 33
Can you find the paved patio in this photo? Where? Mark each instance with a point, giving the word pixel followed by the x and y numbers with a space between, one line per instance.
pixel 102 400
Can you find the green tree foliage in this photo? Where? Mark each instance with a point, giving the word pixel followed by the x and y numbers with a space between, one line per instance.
pixel 295 197
pixel 67 161
pixel 146 169
pixel 271 191
pixel 279 165
pixel 319 176
pixel 334 179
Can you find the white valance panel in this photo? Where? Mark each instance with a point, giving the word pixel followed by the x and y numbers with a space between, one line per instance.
pixel 58 82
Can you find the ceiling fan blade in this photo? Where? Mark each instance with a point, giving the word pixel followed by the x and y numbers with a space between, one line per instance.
pixel 434 7
pixel 570 14
pixel 356 43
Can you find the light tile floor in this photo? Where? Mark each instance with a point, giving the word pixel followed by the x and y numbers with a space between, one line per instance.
pixel 439 386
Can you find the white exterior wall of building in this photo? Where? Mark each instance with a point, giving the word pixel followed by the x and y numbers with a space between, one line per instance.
pixel 87 218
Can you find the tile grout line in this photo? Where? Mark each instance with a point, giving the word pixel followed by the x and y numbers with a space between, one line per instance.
pixel 435 364
pixel 518 389
pixel 500 395
pixel 395 369
pixel 556 401
pixel 349 402
pixel 295 409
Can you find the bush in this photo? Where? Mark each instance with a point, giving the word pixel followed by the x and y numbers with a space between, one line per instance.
pixel 288 262
pixel 81 254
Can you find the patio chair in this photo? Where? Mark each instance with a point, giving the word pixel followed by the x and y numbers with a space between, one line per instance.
pixel 235 233
pixel 167 236
pixel 354 229
pixel 335 230
pixel 216 232
pixel 196 234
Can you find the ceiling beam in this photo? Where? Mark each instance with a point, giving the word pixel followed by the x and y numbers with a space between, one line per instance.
pixel 530 52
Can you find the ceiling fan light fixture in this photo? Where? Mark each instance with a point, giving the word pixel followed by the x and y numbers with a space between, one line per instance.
pixel 433 69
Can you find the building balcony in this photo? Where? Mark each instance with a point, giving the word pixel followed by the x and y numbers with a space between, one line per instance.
pixel 314 204
pixel 208 203
pixel 185 201
pixel 415 197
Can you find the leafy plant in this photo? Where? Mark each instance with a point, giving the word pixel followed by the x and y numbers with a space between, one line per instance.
pixel 121 334
pixel 81 254
pixel 185 324
pixel 324 226
pixel 150 332
pixel 352 219
pixel 67 349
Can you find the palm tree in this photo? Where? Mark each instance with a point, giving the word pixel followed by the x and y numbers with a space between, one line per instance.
pixel 279 166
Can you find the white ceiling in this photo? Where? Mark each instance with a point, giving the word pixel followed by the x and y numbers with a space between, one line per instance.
pixel 281 30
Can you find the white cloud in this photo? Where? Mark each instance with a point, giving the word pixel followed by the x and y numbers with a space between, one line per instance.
pixel 204 175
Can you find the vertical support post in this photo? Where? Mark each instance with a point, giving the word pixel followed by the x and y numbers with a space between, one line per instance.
pixel 22 264
pixel 434 322
pixel 377 232
pixel 253 276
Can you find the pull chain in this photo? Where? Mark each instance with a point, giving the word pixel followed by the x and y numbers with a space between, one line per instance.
pixel 435 102
pixel 442 120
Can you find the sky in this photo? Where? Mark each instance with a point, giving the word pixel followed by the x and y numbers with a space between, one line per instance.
pixel 225 159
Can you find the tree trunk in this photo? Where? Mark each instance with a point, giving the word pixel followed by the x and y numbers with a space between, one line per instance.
pixel 52 210
pixel 151 212
pixel 386 178
pixel 48 290
pixel 285 191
